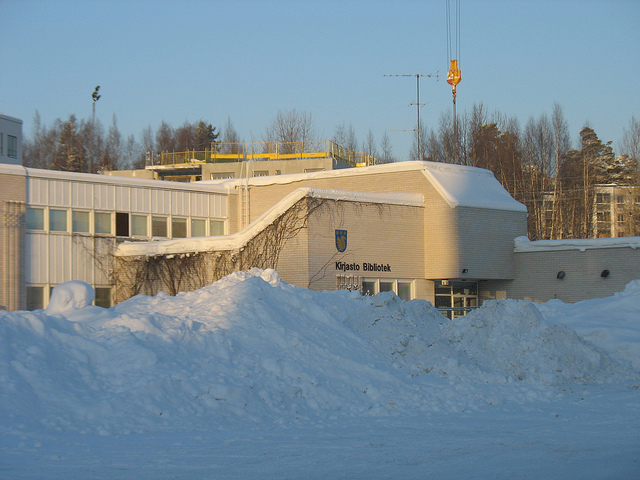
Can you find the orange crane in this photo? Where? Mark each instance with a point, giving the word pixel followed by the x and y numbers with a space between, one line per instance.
pixel 453 75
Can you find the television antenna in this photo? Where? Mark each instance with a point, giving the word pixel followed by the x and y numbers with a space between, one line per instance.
pixel 417 102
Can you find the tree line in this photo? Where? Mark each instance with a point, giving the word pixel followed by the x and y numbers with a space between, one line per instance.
pixel 537 164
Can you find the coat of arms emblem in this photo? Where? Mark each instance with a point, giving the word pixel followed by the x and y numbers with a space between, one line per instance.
pixel 341 240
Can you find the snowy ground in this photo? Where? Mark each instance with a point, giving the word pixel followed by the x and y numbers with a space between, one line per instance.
pixel 253 378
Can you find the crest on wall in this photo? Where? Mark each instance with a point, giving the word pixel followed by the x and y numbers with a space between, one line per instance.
pixel 341 240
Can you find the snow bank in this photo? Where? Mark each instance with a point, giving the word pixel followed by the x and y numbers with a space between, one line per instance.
pixel 251 347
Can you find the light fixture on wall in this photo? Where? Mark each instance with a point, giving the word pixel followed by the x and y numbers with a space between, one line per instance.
pixel 465 270
pixel 604 274
pixel 560 275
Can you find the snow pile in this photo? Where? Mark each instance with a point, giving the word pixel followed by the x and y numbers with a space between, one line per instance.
pixel 613 323
pixel 251 347
pixel 70 295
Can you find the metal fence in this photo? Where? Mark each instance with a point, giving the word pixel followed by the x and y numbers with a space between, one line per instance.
pixel 269 150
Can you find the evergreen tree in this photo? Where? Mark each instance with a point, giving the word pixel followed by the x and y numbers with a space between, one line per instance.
pixel 70 152
pixel 204 136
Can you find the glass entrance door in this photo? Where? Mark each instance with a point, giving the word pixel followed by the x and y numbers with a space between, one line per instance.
pixel 455 298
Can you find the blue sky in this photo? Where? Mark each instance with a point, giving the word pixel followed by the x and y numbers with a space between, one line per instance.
pixel 188 60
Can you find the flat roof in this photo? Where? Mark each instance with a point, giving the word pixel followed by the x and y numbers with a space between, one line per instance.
pixel 109 179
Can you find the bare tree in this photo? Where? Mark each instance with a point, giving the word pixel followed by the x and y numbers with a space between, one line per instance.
pixel 370 149
pixel 165 138
pixel 290 127
pixel 230 138
pixel 631 140
pixel 387 151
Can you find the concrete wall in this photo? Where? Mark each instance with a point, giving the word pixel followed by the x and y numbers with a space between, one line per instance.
pixel 263 167
pixel 10 126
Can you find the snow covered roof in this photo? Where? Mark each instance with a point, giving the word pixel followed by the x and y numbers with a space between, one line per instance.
pixel 459 185
pixel 237 240
pixel 523 244
pixel 463 186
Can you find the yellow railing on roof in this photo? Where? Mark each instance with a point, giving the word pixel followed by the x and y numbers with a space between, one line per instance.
pixel 238 152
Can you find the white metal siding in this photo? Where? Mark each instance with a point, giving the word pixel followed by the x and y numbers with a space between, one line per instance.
pixel 140 200
pixel 123 200
pixel 104 197
pixel 37 191
pixel 218 206
pixel 199 205
pixel 179 203
pixel 36 257
pixel 160 202
pixel 59 193
pixel 59 258
pixel 82 258
pixel 81 195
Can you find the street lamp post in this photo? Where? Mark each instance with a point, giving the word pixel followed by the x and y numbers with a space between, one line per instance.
pixel 95 98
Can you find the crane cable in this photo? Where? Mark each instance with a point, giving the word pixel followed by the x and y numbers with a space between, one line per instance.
pixel 453 75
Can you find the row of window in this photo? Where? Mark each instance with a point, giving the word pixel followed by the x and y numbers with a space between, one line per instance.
pixel 620 199
pixel 12 145
pixel 373 286
pixel 122 224
pixel 36 296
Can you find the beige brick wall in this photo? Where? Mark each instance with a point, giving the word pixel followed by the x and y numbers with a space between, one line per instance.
pixel 382 234
pixel 12 205
pixel 479 240
pixel 536 274
pixel 486 242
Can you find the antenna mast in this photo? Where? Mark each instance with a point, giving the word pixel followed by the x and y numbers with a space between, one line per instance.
pixel 417 102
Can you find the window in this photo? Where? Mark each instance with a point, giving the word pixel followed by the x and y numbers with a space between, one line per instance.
pixel 198 227
pixel 35 218
pixel 404 290
pixel 603 198
pixel 12 146
pixel 620 200
pixel 80 222
pixel 604 216
pixel 621 217
pixel 369 287
pixel 217 227
pixel 57 220
pixel 1 145
pixel 261 173
pixel 103 297
pixel 221 175
pixel 122 224
pixel 178 227
pixel 139 226
pixel 159 226
pixel 386 286
pixel 348 282
pixel 35 298
pixel 102 221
